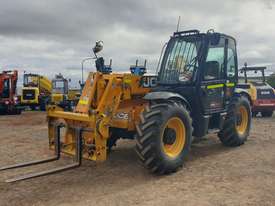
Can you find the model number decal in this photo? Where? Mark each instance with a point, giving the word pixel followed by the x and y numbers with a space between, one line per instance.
pixel 122 115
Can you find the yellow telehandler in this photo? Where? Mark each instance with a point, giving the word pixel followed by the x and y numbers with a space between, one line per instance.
pixel 193 94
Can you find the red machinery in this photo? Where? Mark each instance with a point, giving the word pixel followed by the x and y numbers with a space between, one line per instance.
pixel 9 103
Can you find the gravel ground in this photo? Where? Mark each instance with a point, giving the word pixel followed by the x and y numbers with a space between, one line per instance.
pixel 212 175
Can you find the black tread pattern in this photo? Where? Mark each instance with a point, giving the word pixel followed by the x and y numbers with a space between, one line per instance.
pixel 148 130
pixel 228 135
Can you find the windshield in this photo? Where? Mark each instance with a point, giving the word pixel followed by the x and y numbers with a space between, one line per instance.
pixel 180 60
pixel 58 86
pixel 30 80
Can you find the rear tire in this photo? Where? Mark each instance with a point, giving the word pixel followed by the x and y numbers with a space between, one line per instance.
pixel 237 123
pixel 267 114
pixel 164 136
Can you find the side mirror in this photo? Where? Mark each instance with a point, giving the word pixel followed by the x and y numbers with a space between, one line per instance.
pixel 69 80
pixel 98 47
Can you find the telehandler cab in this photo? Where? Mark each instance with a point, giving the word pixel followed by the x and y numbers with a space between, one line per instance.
pixel 193 94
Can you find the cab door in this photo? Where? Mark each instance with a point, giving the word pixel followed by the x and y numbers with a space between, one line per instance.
pixel 231 69
pixel 213 80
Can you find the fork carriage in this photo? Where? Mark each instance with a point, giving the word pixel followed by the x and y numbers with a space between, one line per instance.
pixel 103 101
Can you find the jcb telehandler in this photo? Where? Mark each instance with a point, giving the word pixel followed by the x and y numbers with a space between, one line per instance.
pixel 194 94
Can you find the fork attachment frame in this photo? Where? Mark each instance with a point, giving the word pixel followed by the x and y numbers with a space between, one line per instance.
pixel 76 163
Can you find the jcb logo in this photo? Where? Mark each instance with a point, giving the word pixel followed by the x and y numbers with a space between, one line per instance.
pixel 149 81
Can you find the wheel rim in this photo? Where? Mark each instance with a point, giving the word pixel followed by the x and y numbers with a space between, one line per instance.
pixel 242 120
pixel 173 137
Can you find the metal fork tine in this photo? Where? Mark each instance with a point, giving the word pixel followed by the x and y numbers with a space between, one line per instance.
pixel 25 164
pixel 36 162
pixel 43 173
pixel 77 160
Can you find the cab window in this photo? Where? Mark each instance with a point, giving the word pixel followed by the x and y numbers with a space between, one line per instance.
pixel 231 66
pixel 6 88
pixel 214 63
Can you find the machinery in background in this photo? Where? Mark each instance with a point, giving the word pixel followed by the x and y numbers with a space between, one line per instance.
pixel 61 95
pixel 9 101
pixel 262 95
pixel 195 94
pixel 36 91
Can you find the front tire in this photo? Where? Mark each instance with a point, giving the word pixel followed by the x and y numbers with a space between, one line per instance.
pixel 237 123
pixel 164 136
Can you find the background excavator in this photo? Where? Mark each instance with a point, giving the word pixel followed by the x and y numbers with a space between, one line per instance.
pixel 193 94
pixel 36 91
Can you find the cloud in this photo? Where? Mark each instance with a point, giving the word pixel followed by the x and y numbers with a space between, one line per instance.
pixel 54 36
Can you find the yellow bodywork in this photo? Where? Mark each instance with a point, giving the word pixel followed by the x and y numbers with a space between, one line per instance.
pixel 44 86
pixel 56 98
pixel 73 94
pixel 107 100
pixel 252 91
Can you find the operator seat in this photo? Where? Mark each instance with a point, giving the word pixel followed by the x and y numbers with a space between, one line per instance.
pixel 211 70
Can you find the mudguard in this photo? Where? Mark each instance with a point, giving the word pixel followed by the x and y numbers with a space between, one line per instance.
pixel 243 92
pixel 167 96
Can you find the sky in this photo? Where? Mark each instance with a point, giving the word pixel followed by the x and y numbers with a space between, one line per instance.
pixel 50 37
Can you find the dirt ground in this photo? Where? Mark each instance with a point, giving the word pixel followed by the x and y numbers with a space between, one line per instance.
pixel 212 175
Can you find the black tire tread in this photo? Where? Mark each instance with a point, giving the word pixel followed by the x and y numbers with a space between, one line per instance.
pixel 228 135
pixel 150 120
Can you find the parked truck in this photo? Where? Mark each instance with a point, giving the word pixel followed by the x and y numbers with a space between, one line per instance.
pixel 9 103
pixel 36 91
